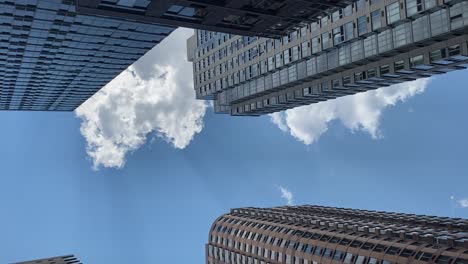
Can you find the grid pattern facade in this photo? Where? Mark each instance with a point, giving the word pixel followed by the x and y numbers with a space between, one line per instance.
pixel 53 58
pixel 70 259
pixel 364 46
pixel 317 235
pixel 268 18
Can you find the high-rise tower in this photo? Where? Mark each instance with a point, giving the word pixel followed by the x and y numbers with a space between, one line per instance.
pixel 318 235
pixel 364 46
pixel 54 57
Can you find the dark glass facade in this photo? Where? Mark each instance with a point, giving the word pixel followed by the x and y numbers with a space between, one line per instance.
pixel 268 18
pixel 318 235
pixel 53 58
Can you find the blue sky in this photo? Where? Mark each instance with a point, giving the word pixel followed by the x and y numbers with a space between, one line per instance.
pixel 143 189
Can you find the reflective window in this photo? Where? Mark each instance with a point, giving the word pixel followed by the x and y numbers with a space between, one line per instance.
pixel 376 20
pixel 362 25
pixel 393 13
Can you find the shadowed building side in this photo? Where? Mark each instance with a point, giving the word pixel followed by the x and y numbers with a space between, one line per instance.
pixel 267 18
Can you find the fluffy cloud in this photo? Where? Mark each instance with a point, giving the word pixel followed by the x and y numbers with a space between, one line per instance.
pixel 287 195
pixel 463 203
pixel 155 95
pixel 359 112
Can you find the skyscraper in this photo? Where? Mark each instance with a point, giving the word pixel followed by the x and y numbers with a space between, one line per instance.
pixel 361 47
pixel 316 234
pixel 69 259
pixel 269 18
pixel 53 57
pixel 55 54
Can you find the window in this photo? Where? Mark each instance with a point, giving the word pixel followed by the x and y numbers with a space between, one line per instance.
pixel 305 49
pixel 315 45
pixel 443 260
pixel 357 52
pixel 362 25
pixel 337 15
pixel 348 10
pixel 393 250
pixel 458 17
pixel 393 13
pixel 407 253
pixel 318 251
pixel 421 28
pixel 384 69
pixel 278 60
pixel 438 55
pixel 325 39
pixel 327 253
pixel 348 259
pixel 344 55
pixel 359 76
pixel 454 50
pixel 370 46
pixel 333 59
pixel 416 61
pixel 402 35
pixel 338 36
pixel 385 40
pixel 324 21
pixel 414 6
pixel 360 260
pixel 348 31
pixel 376 20
pixel 360 4
pixel 346 80
pixel 338 255
pixel 439 23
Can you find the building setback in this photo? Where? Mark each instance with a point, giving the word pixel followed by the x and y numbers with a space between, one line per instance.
pixel 70 259
pixel 364 46
pixel 268 18
pixel 319 235
pixel 53 58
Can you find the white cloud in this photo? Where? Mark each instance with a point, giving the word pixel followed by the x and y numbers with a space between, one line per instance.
pixel 287 195
pixel 153 96
pixel 463 203
pixel 359 112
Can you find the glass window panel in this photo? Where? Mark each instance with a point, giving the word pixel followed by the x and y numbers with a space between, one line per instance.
pixel 393 13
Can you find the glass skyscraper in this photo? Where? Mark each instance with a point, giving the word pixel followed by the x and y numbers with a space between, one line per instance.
pixel 361 47
pixel 53 58
pixel 329 235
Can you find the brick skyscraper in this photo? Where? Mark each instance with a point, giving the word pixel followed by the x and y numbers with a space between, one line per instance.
pixel 316 234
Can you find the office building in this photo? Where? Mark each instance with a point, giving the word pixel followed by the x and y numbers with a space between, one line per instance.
pixel 53 58
pixel 364 46
pixel 70 259
pixel 268 18
pixel 319 235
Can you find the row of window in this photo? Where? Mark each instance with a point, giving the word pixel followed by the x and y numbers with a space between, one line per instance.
pixel 375 44
pixel 392 11
pixel 318 65
pixel 420 29
pixel 266 255
pixel 404 34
